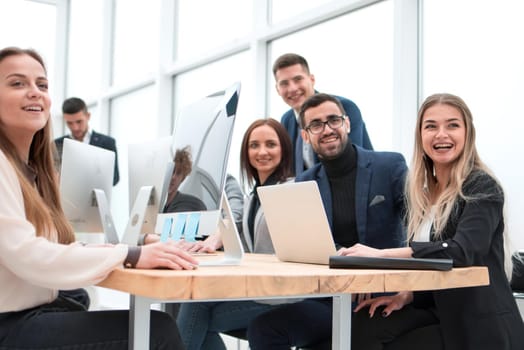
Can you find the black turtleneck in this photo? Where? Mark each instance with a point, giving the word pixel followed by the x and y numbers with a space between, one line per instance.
pixel 342 173
pixel 255 204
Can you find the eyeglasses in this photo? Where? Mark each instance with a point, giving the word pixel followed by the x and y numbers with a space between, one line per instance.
pixel 334 122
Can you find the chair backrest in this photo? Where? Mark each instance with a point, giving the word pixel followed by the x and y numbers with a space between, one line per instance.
pixel 517 273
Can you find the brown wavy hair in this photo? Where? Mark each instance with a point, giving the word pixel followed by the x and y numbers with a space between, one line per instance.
pixel 284 170
pixel 43 207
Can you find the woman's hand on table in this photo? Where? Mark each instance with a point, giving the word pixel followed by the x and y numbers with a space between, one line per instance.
pixel 360 250
pixel 167 255
pixel 210 245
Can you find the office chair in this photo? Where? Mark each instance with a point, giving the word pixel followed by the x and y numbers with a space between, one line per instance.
pixel 517 279
pixel 239 334
pixel 517 273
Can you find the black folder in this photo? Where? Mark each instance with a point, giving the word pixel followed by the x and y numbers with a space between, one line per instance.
pixel 360 262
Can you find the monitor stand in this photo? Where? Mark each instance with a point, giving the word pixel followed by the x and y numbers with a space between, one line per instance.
pixel 136 217
pixel 233 249
pixel 106 218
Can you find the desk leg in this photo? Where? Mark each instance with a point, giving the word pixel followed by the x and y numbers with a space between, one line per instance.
pixel 139 322
pixel 341 337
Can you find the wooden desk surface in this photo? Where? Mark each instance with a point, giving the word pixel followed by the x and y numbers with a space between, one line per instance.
pixel 265 276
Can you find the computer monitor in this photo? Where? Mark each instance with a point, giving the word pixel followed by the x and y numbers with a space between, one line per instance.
pixel 150 169
pixel 204 129
pixel 86 182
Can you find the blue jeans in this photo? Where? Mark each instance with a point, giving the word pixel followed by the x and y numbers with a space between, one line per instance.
pixel 200 323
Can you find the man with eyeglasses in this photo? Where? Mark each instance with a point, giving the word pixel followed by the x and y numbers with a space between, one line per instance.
pixel 363 195
pixel 295 84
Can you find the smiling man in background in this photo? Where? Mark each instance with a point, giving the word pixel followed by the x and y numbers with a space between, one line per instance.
pixel 77 117
pixel 295 84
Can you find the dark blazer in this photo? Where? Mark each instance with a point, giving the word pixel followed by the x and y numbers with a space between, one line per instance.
pixel 99 140
pixel 379 196
pixel 477 317
pixel 358 133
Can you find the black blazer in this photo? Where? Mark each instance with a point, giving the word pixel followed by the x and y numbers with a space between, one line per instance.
pixel 99 140
pixel 379 196
pixel 477 317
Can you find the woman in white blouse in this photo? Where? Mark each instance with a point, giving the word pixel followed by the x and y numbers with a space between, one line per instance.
pixel 38 255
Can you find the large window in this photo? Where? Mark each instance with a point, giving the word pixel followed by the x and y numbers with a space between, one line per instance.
pixel 283 10
pixel 27 24
pixel 478 55
pixel 204 25
pixel 134 120
pixel 137 33
pixel 198 83
pixel 85 44
pixel 95 121
pixel 350 56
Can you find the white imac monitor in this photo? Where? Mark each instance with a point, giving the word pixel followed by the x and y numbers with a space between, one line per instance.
pixel 150 168
pixel 204 130
pixel 86 182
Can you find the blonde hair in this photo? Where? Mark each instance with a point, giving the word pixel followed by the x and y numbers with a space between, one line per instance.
pixel 421 181
pixel 43 207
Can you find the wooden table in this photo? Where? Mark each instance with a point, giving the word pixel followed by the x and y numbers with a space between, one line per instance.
pixel 263 277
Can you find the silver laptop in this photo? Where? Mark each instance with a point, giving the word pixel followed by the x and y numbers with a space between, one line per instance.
pixel 297 222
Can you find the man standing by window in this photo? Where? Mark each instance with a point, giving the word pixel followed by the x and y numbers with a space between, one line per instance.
pixel 77 118
pixel 295 84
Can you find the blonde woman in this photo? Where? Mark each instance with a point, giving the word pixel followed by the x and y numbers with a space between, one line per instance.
pixel 38 255
pixel 455 211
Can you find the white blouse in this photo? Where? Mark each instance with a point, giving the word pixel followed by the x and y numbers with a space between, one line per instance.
pixel 32 268
pixel 424 232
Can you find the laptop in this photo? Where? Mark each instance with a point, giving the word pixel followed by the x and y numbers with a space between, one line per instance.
pixel 300 231
pixel 297 222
